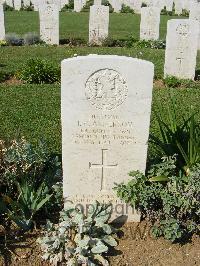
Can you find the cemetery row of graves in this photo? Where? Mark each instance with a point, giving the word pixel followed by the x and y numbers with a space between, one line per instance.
pixel 116 5
pixel 182 41
pixel 100 114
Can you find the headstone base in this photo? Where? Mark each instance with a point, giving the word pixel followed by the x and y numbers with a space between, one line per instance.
pixel 121 211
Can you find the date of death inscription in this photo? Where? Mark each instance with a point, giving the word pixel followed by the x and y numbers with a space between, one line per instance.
pixel 104 130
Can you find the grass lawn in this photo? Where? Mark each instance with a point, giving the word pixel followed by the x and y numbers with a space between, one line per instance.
pixel 76 25
pixel 34 110
pixel 13 58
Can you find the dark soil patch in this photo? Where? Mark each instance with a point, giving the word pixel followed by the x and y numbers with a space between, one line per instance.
pixel 136 247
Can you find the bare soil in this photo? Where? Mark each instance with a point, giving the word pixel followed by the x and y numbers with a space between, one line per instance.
pixel 136 247
pixel 13 81
pixel 159 84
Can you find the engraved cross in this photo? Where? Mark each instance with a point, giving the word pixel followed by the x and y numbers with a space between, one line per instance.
pixel 179 59
pixel 102 166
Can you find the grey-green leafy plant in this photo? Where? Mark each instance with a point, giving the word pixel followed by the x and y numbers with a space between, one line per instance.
pixel 170 201
pixel 14 39
pixel 29 174
pixel 31 38
pixel 79 239
pixel 20 160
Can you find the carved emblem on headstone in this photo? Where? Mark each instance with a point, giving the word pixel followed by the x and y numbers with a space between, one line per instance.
pixel 106 89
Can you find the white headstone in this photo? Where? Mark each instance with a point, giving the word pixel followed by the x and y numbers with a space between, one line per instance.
pixel 41 3
pixel 97 2
pixel 178 7
pixel 106 106
pixel 181 48
pixel 63 3
pixel 169 5
pixel 49 23
pixel 9 3
pixel 37 4
pixel 17 4
pixel 78 5
pixel 187 5
pixel 26 2
pixel 191 3
pixel 158 3
pixel 116 4
pixel 130 3
pixel 150 23
pixel 137 4
pixel 2 24
pixel 98 24
pixel 149 3
pixel 195 15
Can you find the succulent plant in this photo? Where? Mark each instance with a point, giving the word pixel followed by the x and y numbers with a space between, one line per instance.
pixel 79 239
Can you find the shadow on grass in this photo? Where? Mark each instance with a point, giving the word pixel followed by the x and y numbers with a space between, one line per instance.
pixel 197 75
pixel 73 42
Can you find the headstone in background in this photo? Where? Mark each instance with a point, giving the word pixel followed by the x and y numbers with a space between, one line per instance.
pixel 17 4
pixel 2 23
pixel 9 3
pixel 169 5
pixel 63 3
pixel 158 3
pixel 129 3
pixel 37 4
pixel 97 2
pixel 98 24
pixel 178 7
pixel 78 5
pixel 49 23
pixel 137 4
pixel 195 15
pixel 26 3
pixel 150 23
pixel 106 107
pixel 116 4
pixel 181 48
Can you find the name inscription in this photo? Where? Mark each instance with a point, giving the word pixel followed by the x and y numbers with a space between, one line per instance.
pixel 104 129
